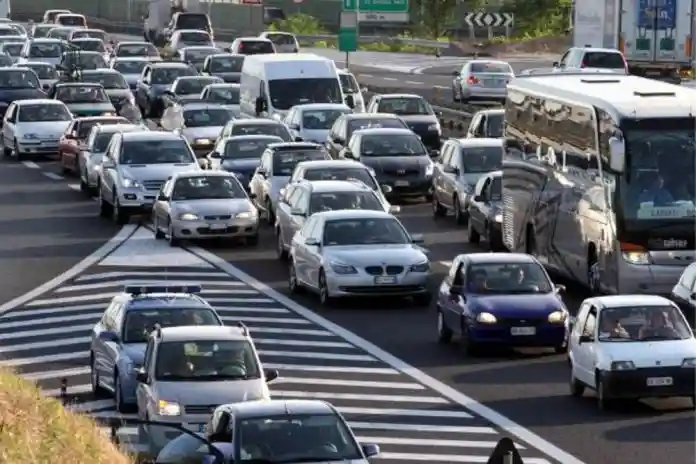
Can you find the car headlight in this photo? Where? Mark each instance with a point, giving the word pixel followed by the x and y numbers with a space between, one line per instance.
pixel 343 269
pixel 188 217
pixel 247 215
pixel 203 142
pixel 622 366
pixel 420 267
pixel 689 362
pixel 168 408
pixel 558 317
pixel 127 182
pixel 636 257
pixel 30 136
pixel 429 169
pixel 486 318
pixel 498 218
pixel 434 128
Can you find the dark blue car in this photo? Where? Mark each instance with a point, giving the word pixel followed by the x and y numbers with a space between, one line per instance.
pixel 503 299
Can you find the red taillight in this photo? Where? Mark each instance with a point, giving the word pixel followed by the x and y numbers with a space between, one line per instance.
pixel 473 80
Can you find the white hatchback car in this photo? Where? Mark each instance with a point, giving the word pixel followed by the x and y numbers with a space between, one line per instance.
pixel 34 127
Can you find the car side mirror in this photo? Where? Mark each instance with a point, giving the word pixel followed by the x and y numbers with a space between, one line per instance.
pixel 693 296
pixel 456 73
pixel 215 155
pixel 369 449
pixel 162 198
pixel 311 241
pixel 350 101
pixel 386 188
pixel 141 376
pixel 417 239
pixel 107 336
pixel 585 339
pixel 297 212
pixel 260 105
pixel 271 374
pixel 479 198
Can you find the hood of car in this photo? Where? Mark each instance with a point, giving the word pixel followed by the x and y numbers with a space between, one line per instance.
pixel 214 208
pixel 375 255
pixel 379 163
pixel 156 172
pixel 215 392
pixel 515 305
pixel 51 130
pixel 135 352
pixel 208 132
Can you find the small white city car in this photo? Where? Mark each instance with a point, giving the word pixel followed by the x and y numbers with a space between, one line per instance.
pixel 632 347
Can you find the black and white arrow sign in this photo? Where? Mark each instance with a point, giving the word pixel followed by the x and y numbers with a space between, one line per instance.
pixel 482 19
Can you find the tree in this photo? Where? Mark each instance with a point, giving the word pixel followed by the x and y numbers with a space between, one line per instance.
pixel 434 15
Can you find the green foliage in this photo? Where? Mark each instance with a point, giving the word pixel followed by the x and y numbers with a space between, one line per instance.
pixel 434 15
pixel 299 24
pixel 536 18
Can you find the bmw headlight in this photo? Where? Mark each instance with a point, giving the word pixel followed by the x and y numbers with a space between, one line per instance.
pixel 343 269
pixel 636 257
pixel 498 218
pixel 486 318
pixel 188 217
pixel 622 366
pixel 203 142
pixel 247 215
pixel 168 408
pixel 127 182
pixel 558 317
pixel 420 267
pixel 429 169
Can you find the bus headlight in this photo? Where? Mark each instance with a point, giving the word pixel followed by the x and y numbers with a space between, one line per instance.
pixel 636 257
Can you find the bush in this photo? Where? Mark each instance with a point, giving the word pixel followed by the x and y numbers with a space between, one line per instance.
pixel 39 430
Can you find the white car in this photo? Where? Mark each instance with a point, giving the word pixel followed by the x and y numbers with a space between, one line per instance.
pixel 251 46
pixel 358 253
pixel 284 42
pixel 350 86
pixel 189 38
pixel 34 127
pixel 631 347
pixel 312 122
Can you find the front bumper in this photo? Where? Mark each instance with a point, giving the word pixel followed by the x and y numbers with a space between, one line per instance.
pixel 137 200
pixel 407 186
pixel 633 384
pixel 202 229
pixel 38 148
pixel 361 284
pixel 520 333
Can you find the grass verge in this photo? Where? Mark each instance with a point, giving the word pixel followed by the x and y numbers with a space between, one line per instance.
pixel 37 430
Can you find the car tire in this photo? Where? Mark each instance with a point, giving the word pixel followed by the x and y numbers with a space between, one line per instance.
pixel 106 210
pixel 438 210
pixel 121 406
pixel 603 403
pixel 444 333
pixel 293 284
pixel 159 235
pixel 97 389
pixel 270 217
pixel 171 237
pixel 16 151
pixel 472 235
pixel 281 252
pixel 577 388
pixel 459 215
pixel 120 216
pixel 324 297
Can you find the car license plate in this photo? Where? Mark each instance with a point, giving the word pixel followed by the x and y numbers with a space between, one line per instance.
pixel 660 381
pixel 523 331
pixel 218 227
pixel 401 183
pixel 385 280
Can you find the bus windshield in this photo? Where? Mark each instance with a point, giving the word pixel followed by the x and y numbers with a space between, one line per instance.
pixel 659 179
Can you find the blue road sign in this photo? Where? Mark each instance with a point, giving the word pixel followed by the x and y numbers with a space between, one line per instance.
pixel 657 14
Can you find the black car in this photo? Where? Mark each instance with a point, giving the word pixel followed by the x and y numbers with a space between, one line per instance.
pixel 18 84
pixel 187 88
pixel 346 124
pixel 415 111
pixel 485 211
pixel 398 158
pixel 226 66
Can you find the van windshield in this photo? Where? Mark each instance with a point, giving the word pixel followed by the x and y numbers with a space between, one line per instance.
pixel 286 93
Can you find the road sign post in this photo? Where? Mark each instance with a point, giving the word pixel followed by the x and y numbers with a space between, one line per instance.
pixel 348 34
pixel 391 11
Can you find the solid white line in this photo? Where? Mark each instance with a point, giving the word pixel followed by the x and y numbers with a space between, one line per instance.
pixel 31 164
pixel 52 175
pixel 389 78
pixel 414 83
pixel 75 187
pixel 48 320
pixel 71 390
pixel 344 370
pixel 446 264
pixel 425 442
pixel 454 395
pixel 276 320
pixel 80 267
pixel 421 428
pixel 53 331
pixel 356 397
pixel 274 341
pixel 46 375
pixel 213 301
pixel 122 283
pixel 366 75
pixel 441 87
pixel 90 406
pixel 350 383
pixel 49 358
pixel 448 458
pixel 317 355
pixel 174 274
pixel 47 344
pixel 406 412
pixel 251 309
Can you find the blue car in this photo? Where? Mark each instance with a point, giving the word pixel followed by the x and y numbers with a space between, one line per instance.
pixel 504 299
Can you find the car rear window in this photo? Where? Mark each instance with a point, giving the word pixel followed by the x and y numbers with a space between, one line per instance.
pixel 255 47
pixel 498 68
pixel 605 60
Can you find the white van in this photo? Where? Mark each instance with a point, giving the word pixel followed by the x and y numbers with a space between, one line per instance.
pixel 272 84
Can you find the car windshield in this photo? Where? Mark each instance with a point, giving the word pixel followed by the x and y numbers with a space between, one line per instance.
pixel 7 31
pixel 71 20
pixel 90 45
pixel 372 231
pixel 404 106
pixel 167 75
pixel 332 201
pixel 81 94
pixel 18 79
pixel 12 48
pixel 129 67
pixel 284 161
pixel 206 117
pixel 139 323
pixel 60 33
pixel 206 360
pixel 481 159
pixel 224 94
pixel 376 123
pixel 43 71
pixel 192 21
pixel 108 80
pixel 321 119
pixel 507 278
pixel 45 50
pixel 43 113
pixel 296 438
pixel 642 323
pixel 101 141
pixel 491 67
pixel 194 37
pixel 190 86
pixel 348 83
pixel 136 49
pixel 279 130
pixel 207 188
pixel 226 64
pixel 494 124
pixel 90 34
pixel 248 149
pixel 286 93
pixel 199 54
pixel 391 145
pixel 85 126
pixel 607 60
pixel 156 152
pixel 256 47
pixel 359 174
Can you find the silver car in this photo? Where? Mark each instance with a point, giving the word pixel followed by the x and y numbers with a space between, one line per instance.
pixel 223 94
pixel 135 167
pixel 46 72
pixel 114 84
pixel 130 68
pixel 358 253
pixel 195 56
pixel 204 204
pixel 482 81
pixel 193 370
pixel 12 49
pixel 199 123
pixel 46 50
pixel 224 65
pixel 302 199
pixel 312 122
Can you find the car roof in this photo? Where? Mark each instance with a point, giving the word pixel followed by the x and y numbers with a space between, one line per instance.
pixel 491 61
pixel 481 142
pixel 202 332
pixel 118 127
pixel 352 214
pixel 99 71
pixel 132 42
pixel 46 39
pixel 619 301
pixel 251 137
pixel 39 101
pixel 26 64
pixel 253 39
pixel 199 47
pixel 223 55
pixel 384 131
pixel 149 135
pixel 206 173
pixel 183 31
pixel 372 116
pixel 297 145
pixel 251 409
pixel 322 106
pixel 613 51
pixel 198 78
pixel 499 258
pixel 170 64
pixel 198 105
pixel 328 186
pixel 400 95
pixel 270 122
pixel 100 118
pixel 146 59
pixel 86 39
pixel 230 85
pixel 319 164
pixel 157 300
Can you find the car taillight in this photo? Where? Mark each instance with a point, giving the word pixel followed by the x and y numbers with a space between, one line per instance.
pixel 473 80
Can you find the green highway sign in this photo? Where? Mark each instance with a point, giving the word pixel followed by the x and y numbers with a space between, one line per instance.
pixel 379 10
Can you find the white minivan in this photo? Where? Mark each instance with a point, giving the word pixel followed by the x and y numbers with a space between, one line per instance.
pixel 272 84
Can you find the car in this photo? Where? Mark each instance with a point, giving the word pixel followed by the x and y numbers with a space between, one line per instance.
pixel 130 69
pixel 205 205
pixel 124 192
pixel 196 55
pixel 684 293
pixel 71 20
pixel 631 347
pixel 488 123
pixel 49 16
pixel 18 83
pixel 60 32
pixel 576 58
pixel 300 200
pixel 278 162
pixel 503 299
pixel 12 30
pixel 485 211
pixel 313 121
pixel 88 33
pixel 187 88
pixel 183 20
pixel 398 157
pixel 251 46
pixel 12 49
pixel 256 126
pixel 284 42
pixel 135 49
pixel 45 50
pixel 241 155
pixel 19 28
pixel 82 60
pixel 118 341
pixel 73 141
pixel 199 123
pixel 92 153
pixel 226 66
pixel 415 111
pixel 46 72
pixel 180 356
pixel 182 38
pixel 114 85
pixel 90 44
pixel 33 127
pixel 350 86
pixel 482 81
pixel 155 80
pixel 223 94
pixel 83 99
pixel 358 253
pixel 40 30
pixel 345 125
pixel 266 421
pixel 461 164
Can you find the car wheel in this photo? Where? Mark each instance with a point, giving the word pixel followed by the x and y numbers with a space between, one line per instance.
pixel 444 333
pixel 270 216
pixel 603 403
pixel 159 235
pixel 459 215
pixel 324 297
pixel 120 216
pixel 97 389
pixel 438 209
pixel 121 406
pixel 577 388
pixel 281 252
pixel 473 236
pixel 173 239
pixel 17 154
pixel 293 283
pixel 105 209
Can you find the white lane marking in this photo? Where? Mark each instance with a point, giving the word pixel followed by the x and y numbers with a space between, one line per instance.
pixel 75 187
pixel 274 341
pixel 406 412
pixel 389 78
pixel 251 309
pixel 358 397
pixel 426 442
pixel 421 428
pixel 454 395
pixel 108 295
pixel 414 83
pixel 53 310
pixel 316 355
pixel 31 165
pixel 59 374
pixel 442 87
pixel 446 458
pixel 155 275
pixel 277 320
pixel 350 383
pixel 339 369
pixel 43 332
pixel 47 344
pixel 365 75
pixel 140 283
pixel 286 331
pixel 80 267
pixel 52 175
pixel 49 320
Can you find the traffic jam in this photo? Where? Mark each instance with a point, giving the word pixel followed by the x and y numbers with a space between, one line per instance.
pixel 579 176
